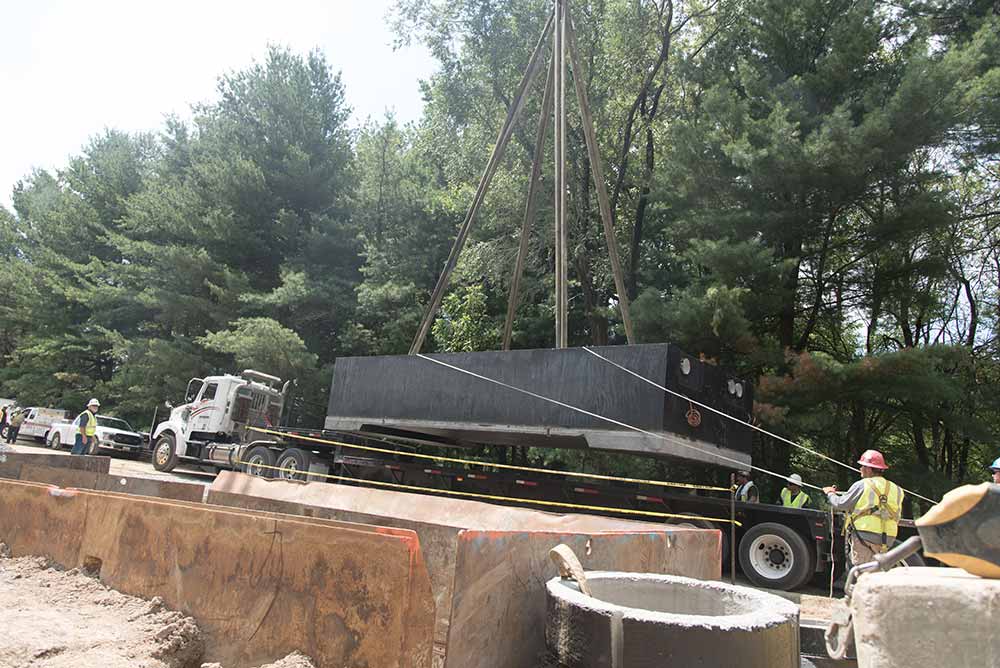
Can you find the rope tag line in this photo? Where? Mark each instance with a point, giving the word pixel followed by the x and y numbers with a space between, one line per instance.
pixel 510 467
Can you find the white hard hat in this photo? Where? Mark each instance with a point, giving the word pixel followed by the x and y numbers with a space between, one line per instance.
pixel 94 402
pixel 795 479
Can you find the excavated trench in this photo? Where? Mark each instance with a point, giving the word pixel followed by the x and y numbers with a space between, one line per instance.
pixel 260 565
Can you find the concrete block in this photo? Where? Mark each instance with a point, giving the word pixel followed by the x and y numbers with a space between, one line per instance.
pixel 926 618
pixel 11 462
pixel 259 584
pixel 487 563
pixel 81 479
pixel 405 392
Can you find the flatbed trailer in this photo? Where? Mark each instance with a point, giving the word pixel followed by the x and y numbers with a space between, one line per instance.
pixel 779 548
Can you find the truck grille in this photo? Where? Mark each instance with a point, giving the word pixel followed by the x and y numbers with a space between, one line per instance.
pixel 126 439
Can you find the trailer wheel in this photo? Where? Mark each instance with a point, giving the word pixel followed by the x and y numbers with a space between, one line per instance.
pixel 294 465
pixel 165 453
pixel 774 556
pixel 55 442
pixel 257 461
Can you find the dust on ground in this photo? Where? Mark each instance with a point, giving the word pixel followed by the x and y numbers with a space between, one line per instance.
pixel 67 619
pixel 818 607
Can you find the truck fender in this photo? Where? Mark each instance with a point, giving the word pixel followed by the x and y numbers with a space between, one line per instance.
pixel 246 447
pixel 176 430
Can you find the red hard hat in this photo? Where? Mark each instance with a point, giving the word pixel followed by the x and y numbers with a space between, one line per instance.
pixel 874 459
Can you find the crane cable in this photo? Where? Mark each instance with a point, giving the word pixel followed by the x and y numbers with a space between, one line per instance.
pixel 747 424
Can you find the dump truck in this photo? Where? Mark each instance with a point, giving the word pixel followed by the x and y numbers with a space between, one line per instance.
pixel 406 403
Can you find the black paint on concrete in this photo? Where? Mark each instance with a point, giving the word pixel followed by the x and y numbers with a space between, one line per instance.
pixel 408 393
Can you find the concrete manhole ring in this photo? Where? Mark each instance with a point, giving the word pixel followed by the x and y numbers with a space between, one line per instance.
pixel 640 619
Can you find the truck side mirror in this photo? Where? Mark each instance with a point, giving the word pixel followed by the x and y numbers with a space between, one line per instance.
pixel 168 404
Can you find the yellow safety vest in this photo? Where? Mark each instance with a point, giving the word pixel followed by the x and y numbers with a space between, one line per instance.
pixel 91 427
pixel 788 502
pixel 879 508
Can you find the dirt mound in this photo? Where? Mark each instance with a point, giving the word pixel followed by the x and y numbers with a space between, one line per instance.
pixel 54 618
pixel 67 619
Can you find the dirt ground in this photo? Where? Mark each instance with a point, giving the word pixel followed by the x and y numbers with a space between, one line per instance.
pixel 68 619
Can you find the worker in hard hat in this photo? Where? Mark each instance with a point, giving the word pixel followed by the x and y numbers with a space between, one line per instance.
pixel 792 495
pixel 746 490
pixel 995 470
pixel 86 424
pixel 873 506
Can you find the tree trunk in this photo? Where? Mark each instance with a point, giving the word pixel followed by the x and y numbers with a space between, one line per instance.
pixel 640 217
pixel 919 443
pixel 786 327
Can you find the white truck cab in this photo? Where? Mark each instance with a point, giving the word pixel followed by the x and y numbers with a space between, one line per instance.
pixel 218 419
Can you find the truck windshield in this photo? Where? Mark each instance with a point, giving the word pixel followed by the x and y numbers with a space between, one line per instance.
pixel 113 423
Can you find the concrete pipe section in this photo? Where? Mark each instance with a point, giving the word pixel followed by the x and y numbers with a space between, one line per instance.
pixel 661 621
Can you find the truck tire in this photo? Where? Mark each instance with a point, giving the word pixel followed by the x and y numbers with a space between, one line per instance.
pixel 55 442
pixel 294 464
pixel 257 459
pixel 165 453
pixel 774 556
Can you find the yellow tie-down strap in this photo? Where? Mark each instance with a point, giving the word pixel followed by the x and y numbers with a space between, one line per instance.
pixel 509 467
pixel 493 497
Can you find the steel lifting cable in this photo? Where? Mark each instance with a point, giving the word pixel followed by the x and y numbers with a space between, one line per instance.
pixel 473 462
pixel 495 497
pixel 738 464
pixel 747 424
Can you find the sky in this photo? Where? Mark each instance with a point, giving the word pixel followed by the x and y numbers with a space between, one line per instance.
pixel 70 69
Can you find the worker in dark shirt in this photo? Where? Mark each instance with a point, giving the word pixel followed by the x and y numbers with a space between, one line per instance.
pixel 746 491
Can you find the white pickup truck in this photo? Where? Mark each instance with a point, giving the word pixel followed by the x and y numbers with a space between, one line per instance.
pixel 112 434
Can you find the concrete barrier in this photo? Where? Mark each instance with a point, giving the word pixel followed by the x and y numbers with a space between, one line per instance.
pixel 488 564
pixel 641 619
pixel 11 462
pixel 81 479
pixel 259 584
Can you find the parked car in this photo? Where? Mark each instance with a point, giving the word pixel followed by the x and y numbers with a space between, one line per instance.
pixel 112 434
pixel 38 422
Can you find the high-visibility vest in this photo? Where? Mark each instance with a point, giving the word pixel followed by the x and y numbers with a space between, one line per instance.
pixel 788 502
pixel 743 493
pixel 879 508
pixel 90 428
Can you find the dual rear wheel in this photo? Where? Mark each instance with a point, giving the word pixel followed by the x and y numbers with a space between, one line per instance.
pixel 267 462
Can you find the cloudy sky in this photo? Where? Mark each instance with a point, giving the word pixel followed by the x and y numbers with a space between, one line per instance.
pixel 69 69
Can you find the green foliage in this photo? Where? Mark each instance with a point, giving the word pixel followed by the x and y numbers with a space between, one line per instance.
pixel 464 324
pixel 804 190
pixel 262 343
